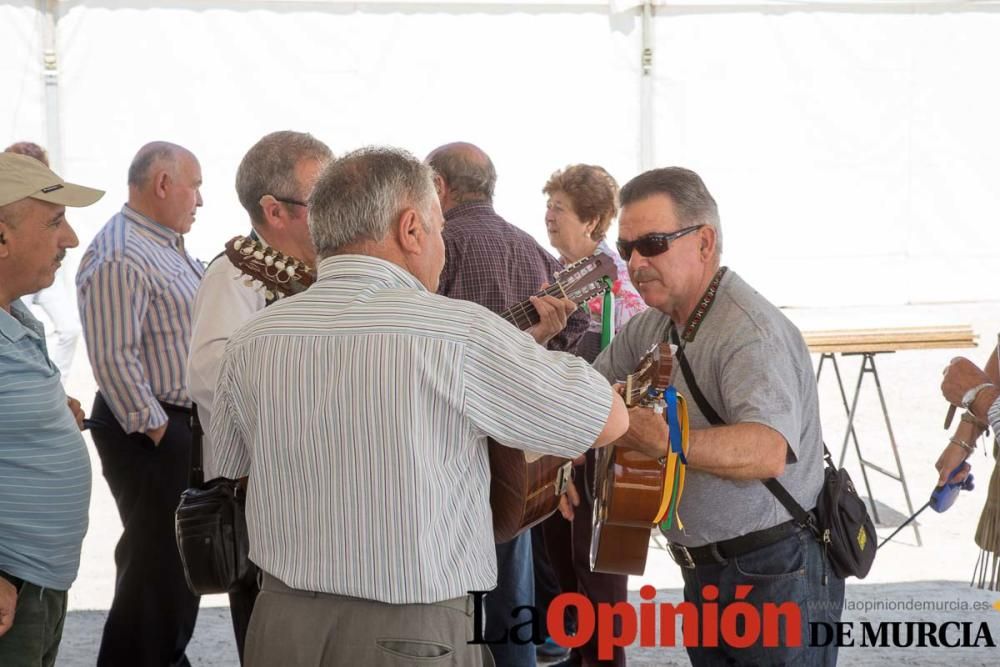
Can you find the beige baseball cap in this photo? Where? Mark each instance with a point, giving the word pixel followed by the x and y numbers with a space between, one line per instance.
pixel 22 176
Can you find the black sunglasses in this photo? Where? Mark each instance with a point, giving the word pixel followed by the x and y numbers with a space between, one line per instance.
pixel 287 200
pixel 654 244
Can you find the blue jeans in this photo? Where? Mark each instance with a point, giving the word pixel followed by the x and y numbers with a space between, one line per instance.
pixel 790 570
pixel 515 588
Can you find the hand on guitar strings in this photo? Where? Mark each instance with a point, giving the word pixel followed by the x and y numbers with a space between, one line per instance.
pixel 553 312
pixel 647 430
pixel 568 501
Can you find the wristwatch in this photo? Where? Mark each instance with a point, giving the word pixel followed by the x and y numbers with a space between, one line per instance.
pixel 970 396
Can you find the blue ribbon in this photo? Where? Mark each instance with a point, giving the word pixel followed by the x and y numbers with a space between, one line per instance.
pixel 674 423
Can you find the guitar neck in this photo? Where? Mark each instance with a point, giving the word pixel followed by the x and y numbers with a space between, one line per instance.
pixel 524 315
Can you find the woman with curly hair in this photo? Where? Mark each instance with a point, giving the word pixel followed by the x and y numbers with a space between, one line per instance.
pixel 583 200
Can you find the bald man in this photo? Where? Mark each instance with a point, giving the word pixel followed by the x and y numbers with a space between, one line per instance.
pixel 495 264
pixel 136 285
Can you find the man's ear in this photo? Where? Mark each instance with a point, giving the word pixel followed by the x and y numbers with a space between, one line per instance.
pixel 440 186
pixel 708 239
pixel 271 209
pixel 4 248
pixel 410 232
pixel 160 181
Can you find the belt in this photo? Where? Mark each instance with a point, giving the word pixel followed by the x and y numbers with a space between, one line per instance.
pixel 174 408
pixel 719 553
pixel 269 582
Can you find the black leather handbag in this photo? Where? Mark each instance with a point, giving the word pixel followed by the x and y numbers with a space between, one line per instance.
pixel 212 528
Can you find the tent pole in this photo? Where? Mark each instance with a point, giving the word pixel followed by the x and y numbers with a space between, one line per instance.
pixel 646 149
pixel 49 10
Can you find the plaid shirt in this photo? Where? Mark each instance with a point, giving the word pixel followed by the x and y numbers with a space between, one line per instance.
pixel 495 264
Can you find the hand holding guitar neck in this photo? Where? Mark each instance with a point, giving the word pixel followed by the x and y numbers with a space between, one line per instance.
pixel 553 313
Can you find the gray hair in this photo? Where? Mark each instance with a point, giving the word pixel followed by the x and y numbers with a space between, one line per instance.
pixel 692 200
pixel 268 168
pixel 467 170
pixel 148 156
pixel 359 197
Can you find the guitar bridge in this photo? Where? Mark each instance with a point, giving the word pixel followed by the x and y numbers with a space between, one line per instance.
pixel 563 477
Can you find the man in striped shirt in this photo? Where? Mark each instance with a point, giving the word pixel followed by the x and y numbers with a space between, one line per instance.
pixel 273 182
pixel 135 287
pixel 360 409
pixel 44 467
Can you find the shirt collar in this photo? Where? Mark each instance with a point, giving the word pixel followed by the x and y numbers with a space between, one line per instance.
pixel 479 207
pixel 19 323
pixel 152 228
pixel 366 269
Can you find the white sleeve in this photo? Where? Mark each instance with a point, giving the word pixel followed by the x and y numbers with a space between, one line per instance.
pixel 223 304
pixel 527 397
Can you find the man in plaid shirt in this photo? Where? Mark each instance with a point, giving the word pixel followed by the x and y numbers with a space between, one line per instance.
pixel 495 264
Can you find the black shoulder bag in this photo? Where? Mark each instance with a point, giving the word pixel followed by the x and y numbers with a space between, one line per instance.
pixel 212 527
pixel 842 524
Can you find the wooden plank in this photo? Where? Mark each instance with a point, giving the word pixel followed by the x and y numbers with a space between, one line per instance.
pixel 891 339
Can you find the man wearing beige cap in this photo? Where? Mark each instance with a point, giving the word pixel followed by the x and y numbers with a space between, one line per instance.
pixel 44 465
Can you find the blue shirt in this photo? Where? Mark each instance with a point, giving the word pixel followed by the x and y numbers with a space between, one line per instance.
pixel 44 467
pixel 135 288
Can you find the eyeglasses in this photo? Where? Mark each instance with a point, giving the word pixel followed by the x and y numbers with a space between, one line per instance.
pixel 288 200
pixel 654 244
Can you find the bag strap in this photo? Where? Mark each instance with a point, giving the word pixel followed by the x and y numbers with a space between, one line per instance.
pixel 699 398
pixel 196 477
pixel 774 486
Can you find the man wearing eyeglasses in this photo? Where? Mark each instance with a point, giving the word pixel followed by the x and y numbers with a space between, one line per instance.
pixel 755 417
pixel 273 182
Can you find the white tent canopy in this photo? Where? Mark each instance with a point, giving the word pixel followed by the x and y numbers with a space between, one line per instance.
pixel 850 145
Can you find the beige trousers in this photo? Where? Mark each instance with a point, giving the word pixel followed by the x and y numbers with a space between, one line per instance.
pixel 294 628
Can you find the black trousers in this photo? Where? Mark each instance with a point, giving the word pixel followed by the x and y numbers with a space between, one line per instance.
pixel 153 613
pixel 241 602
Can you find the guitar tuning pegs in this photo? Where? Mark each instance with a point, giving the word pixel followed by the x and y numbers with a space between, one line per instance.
pixel 269 295
pixel 290 270
pixel 258 255
pixel 280 265
pixel 269 260
pixel 238 243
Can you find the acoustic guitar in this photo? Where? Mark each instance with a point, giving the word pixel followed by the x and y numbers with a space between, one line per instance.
pixel 278 274
pixel 524 486
pixel 629 485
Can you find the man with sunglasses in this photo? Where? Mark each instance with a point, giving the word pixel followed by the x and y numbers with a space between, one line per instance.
pixel 273 182
pixel 754 416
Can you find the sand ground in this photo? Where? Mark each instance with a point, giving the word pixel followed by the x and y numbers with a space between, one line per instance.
pixel 936 573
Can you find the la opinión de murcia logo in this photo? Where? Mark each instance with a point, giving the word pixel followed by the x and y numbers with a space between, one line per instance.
pixel 738 625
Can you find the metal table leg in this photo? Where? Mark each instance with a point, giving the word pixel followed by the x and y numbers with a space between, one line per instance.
pixel 868 366
pixel 851 412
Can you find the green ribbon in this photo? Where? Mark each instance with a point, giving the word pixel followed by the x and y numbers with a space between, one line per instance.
pixel 607 315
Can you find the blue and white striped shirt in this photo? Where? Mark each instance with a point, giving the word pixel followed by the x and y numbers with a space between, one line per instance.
pixel 360 409
pixel 44 467
pixel 135 287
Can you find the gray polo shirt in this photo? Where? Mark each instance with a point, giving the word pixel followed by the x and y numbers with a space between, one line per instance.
pixel 753 366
